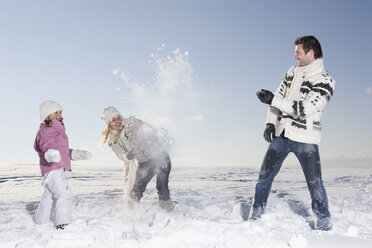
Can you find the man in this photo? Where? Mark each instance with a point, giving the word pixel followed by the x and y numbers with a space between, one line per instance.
pixel 293 125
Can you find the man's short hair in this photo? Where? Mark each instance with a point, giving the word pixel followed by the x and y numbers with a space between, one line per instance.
pixel 310 43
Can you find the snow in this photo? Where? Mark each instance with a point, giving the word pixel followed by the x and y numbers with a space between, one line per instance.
pixel 210 206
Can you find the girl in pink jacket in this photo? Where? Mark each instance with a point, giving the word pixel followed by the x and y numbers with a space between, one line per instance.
pixel 51 144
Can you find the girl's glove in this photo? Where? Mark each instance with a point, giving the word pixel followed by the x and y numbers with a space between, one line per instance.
pixel 77 154
pixel 52 156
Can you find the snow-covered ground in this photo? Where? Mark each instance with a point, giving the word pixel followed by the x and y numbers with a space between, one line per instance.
pixel 211 205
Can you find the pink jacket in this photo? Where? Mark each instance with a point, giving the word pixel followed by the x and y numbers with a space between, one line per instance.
pixel 53 137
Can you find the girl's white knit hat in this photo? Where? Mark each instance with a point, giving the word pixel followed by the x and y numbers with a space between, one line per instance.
pixel 48 107
pixel 109 113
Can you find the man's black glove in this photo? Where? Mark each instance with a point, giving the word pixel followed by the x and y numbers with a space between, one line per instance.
pixel 269 133
pixel 265 96
pixel 131 155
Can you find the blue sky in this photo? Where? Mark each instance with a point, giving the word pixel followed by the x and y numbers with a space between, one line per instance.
pixel 222 51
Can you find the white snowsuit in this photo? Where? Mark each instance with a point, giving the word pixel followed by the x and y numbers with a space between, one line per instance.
pixel 58 192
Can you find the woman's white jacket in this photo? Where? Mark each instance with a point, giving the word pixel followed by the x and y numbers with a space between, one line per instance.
pixel 139 137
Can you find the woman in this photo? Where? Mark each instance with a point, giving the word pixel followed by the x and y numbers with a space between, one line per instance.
pixel 134 140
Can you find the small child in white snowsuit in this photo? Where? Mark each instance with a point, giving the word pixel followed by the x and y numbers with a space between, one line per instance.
pixel 51 143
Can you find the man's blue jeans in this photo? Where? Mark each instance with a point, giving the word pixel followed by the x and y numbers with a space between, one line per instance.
pixel 308 155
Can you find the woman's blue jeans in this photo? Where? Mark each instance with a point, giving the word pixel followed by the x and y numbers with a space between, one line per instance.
pixel 159 166
pixel 308 155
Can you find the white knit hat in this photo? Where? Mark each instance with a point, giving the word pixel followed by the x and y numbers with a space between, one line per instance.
pixel 109 113
pixel 47 108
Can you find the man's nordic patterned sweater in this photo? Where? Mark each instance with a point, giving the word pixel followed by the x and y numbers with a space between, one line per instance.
pixel 299 102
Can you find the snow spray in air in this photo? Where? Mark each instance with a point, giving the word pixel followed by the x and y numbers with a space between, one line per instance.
pixel 170 96
pixel 170 99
